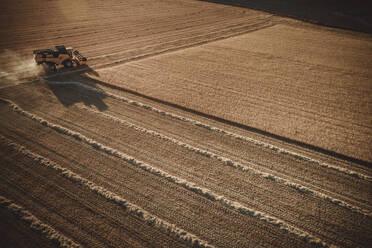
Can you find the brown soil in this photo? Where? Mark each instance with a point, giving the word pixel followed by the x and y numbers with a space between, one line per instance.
pixel 234 127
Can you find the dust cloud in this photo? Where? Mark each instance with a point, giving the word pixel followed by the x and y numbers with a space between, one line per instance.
pixel 15 67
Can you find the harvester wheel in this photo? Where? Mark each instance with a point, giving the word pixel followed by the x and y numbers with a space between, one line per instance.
pixel 68 63
pixel 52 67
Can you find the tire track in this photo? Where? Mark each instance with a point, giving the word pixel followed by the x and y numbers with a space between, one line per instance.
pixel 34 223
pixel 307 237
pixel 131 208
pixel 224 132
pixel 237 165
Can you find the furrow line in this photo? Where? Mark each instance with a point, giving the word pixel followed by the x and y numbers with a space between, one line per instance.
pixel 34 223
pixel 259 18
pixel 111 196
pixel 172 49
pixel 145 55
pixel 307 237
pixel 229 162
pixel 225 132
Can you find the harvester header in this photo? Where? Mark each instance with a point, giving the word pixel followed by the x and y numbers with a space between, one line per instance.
pixel 59 57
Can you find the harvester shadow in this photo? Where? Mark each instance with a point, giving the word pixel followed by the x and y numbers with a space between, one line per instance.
pixel 69 91
pixel 87 69
pixel 352 15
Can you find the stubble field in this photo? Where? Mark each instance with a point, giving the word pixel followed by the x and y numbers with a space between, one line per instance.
pixel 194 125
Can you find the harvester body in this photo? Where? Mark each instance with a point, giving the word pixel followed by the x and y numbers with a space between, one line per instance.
pixel 59 57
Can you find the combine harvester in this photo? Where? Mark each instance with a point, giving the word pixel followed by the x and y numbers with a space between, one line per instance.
pixel 59 57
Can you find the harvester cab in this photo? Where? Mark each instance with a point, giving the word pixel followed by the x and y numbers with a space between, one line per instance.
pixel 59 57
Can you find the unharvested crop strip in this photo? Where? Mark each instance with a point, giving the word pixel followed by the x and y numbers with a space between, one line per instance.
pixel 307 237
pixel 225 132
pixel 34 223
pixel 127 206
pixel 235 164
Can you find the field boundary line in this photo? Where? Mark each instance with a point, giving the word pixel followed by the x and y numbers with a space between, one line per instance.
pixel 34 223
pixel 224 132
pixel 237 165
pixel 149 218
pixel 206 193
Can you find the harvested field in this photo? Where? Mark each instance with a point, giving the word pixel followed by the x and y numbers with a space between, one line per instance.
pixel 194 125
pixel 312 86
